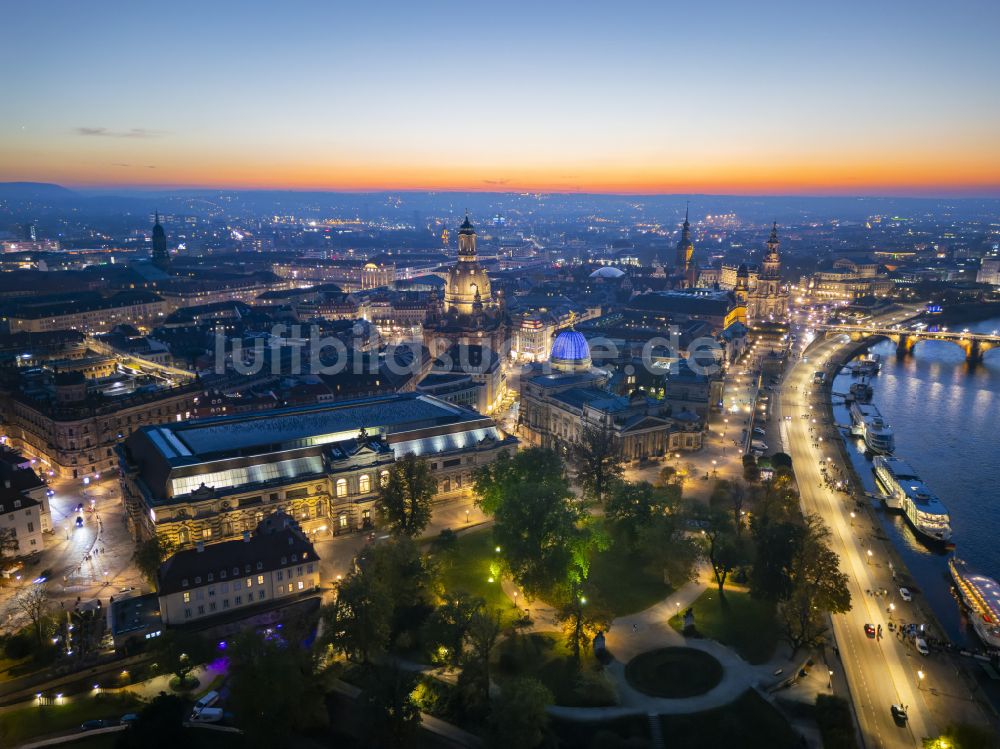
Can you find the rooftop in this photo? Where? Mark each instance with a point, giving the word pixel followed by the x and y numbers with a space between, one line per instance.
pixel 255 433
pixel 272 546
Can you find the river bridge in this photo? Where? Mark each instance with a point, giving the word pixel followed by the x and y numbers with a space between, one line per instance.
pixel 975 345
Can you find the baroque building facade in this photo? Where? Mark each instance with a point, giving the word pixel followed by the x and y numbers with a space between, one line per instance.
pixel 210 480
pixel 768 300
pixel 557 405
pixel 471 315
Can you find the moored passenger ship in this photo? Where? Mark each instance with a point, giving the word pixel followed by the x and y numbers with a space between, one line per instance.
pixel 867 422
pixel 922 508
pixel 981 595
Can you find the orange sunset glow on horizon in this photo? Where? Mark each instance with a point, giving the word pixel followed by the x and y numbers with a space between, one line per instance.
pixel 648 98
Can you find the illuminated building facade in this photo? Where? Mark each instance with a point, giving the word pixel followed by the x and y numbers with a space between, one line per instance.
pixel 768 300
pixel 471 316
pixel 212 479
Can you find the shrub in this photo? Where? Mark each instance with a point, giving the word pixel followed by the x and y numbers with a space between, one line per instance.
pixel 833 715
pixel 592 689
pixel 18 646
pixel 446 540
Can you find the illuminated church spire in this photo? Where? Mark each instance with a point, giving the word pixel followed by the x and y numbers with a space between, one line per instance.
pixel 684 262
pixel 466 240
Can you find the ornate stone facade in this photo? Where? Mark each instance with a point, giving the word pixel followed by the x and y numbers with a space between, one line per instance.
pixel 210 480
pixel 768 301
pixel 471 313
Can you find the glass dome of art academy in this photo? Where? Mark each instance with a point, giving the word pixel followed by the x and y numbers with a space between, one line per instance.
pixel 570 352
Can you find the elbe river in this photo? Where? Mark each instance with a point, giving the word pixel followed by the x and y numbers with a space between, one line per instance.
pixel 946 418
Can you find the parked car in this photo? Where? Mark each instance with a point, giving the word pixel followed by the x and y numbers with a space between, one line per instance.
pixel 90 725
pixel 207 700
pixel 921 645
pixel 870 630
pixel 128 719
pixel 905 594
pixel 207 715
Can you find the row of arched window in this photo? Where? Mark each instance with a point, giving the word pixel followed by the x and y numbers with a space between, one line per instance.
pixel 364 484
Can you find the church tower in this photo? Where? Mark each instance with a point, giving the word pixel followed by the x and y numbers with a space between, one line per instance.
pixel 769 299
pixel 742 290
pixel 685 247
pixel 772 261
pixel 472 313
pixel 741 293
pixel 467 282
pixel 684 262
pixel 160 256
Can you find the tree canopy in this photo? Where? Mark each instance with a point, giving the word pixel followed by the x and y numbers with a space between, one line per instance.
pixel 724 547
pixel 597 457
pixel 385 594
pixel 405 496
pixel 390 716
pixel 535 519
pixel 291 699
pixel 519 718
pixel 816 587
pixel 150 554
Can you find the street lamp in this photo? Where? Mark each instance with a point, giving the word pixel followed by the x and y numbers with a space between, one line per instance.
pixel 869 556
pixel 920 679
pixel 852 518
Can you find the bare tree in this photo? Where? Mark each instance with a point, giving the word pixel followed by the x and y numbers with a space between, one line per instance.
pixel 8 543
pixel 33 602
pixel 597 458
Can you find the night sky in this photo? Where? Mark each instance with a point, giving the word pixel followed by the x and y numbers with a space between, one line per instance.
pixel 725 96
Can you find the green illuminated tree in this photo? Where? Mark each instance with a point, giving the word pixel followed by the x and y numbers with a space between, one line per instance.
pixel 535 518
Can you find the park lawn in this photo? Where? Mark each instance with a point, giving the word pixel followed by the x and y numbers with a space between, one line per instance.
pixel 743 623
pixel 17 726
pixel 624 585
pixel 465 568
pixel 544 656
pixel 750 722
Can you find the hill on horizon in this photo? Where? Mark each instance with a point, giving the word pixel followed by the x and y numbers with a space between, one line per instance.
pixel 34 191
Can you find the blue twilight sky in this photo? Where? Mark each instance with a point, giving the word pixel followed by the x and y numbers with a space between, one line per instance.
pixel 719 96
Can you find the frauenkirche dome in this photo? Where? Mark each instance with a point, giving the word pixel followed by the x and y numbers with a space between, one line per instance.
pixel 467 284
